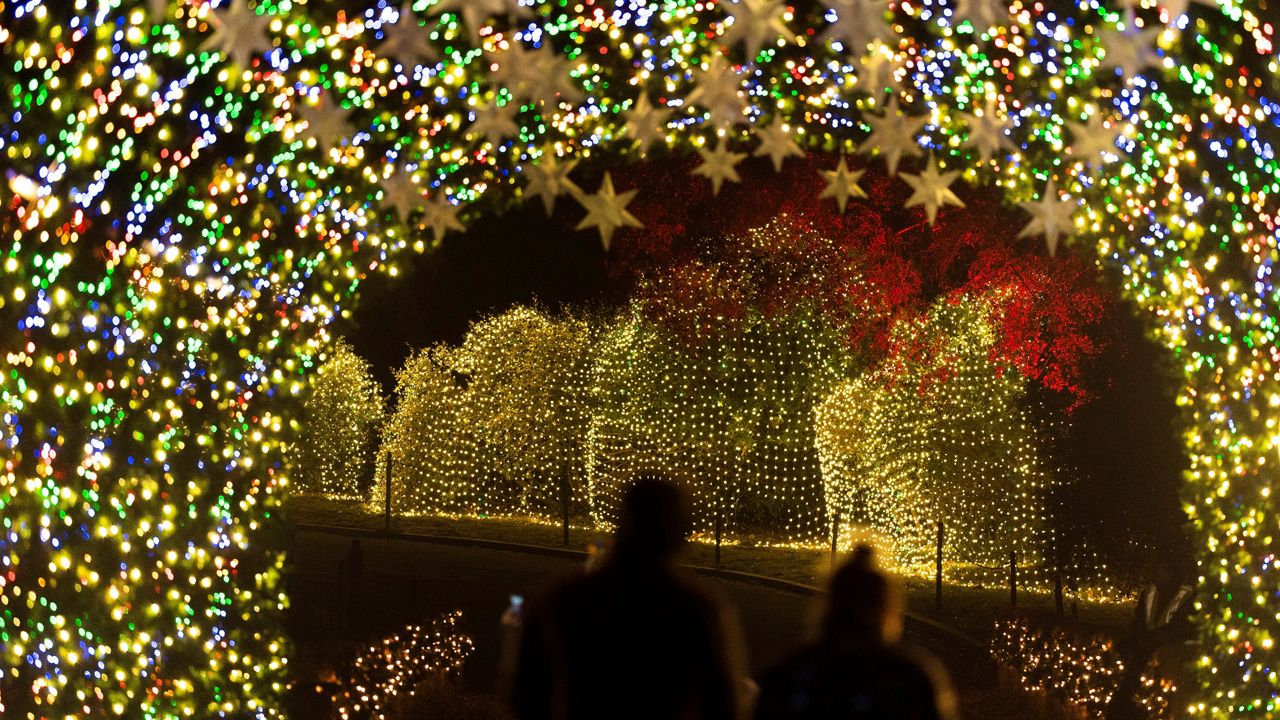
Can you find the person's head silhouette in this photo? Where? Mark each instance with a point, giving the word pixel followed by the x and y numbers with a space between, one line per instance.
pixel 863 604
pixel 653 521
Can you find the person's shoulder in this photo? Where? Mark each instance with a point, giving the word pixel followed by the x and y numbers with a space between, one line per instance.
pixel 920 662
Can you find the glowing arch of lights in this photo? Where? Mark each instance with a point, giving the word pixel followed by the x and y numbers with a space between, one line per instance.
pixel 193 192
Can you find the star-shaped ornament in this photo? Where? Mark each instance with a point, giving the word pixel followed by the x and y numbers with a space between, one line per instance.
pixel 1130 50
pixel 982 14
pixel 776 142
pixel 539 75
pixel 842 184
pixel 1172 11
pixel 986 132
pixel 607 211
pixel 718 165
pixel 440 216
pixel 405 41
pixel 239 33
pixel 877 70
pixel 893 135
pixel 645 123
pixel 401 193
pixel 718 88
pixel 326 121
pixel 756 23
pixel 932 189
pixel 549 179
pixel 1051 216
pixel 858 23
pixel 475 13
pixel 495 123
pixel 1092 141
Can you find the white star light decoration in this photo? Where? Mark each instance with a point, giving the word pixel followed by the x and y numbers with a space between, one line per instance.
pixel 440 216
pixel 239 33
pixel 645 123
pixel 607 211
pixel 1051 216
pixel 932 189
pixel 475 13
pixel 858 23
pixel 893 135
pixel 718 89
pixel 756 23
pixel 1092 142
pixel 1131 50
pixel 539 75
pixel 842 184
pixel 405 41
pixel 401 193
pixel 986 132
pixel 326 121
pixel 777 143
pixel 718 165
pixel 549 179
pixel 495 123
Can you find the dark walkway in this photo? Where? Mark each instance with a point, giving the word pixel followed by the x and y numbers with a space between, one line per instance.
pixel 407 581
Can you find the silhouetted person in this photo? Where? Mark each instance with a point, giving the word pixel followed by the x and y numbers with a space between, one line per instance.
pixel 634 638
pixel 856 670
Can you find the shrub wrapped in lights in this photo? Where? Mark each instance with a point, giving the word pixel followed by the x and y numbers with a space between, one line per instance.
pixel 1084 673
pixel 388 671
pixel 939 434
pixel 341 416
pixel 493 426
pixel 713 377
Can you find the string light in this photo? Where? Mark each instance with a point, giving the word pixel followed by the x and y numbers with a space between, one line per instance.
pixel 189 231
pixel 342 414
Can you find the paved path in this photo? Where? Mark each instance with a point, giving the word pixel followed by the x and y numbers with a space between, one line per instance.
pixel 405 581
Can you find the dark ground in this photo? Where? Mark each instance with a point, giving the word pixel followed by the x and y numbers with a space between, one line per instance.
pixel 414 581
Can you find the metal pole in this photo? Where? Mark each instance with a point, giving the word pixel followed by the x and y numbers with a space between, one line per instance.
pixel 937 582
pixel 386 499
pixel 719 533
pixel 564 507
pixel 835 534
pixel 1013 578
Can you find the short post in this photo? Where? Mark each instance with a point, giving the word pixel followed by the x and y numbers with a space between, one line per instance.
pixel 1057 591
pixel 1013 578
pixel 386 499
pixel 937 580
pixel 835 535
pixel 719 533
pixel 564 507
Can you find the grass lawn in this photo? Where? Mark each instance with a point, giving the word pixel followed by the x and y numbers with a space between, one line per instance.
pixel 965 608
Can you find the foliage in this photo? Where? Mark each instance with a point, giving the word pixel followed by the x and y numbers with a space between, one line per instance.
pixel 939 436
pixel 342 413
pixel 492 426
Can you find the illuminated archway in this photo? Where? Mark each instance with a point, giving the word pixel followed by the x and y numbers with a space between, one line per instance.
pixel 192 193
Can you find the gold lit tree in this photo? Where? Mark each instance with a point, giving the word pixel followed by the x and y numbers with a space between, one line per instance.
pixel 940 436
pixel 342 414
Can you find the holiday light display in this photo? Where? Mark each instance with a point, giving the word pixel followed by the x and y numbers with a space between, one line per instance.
pixel 388 671
pixel 1084 673
pixel 942 438
pixel 342 413
pixel 495 425
pixel 194 189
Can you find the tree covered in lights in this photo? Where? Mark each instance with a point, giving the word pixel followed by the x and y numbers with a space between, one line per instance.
pixel 495 425
pixel 194 190
pixel 940 436
pixel 713 376
pixel 342 413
